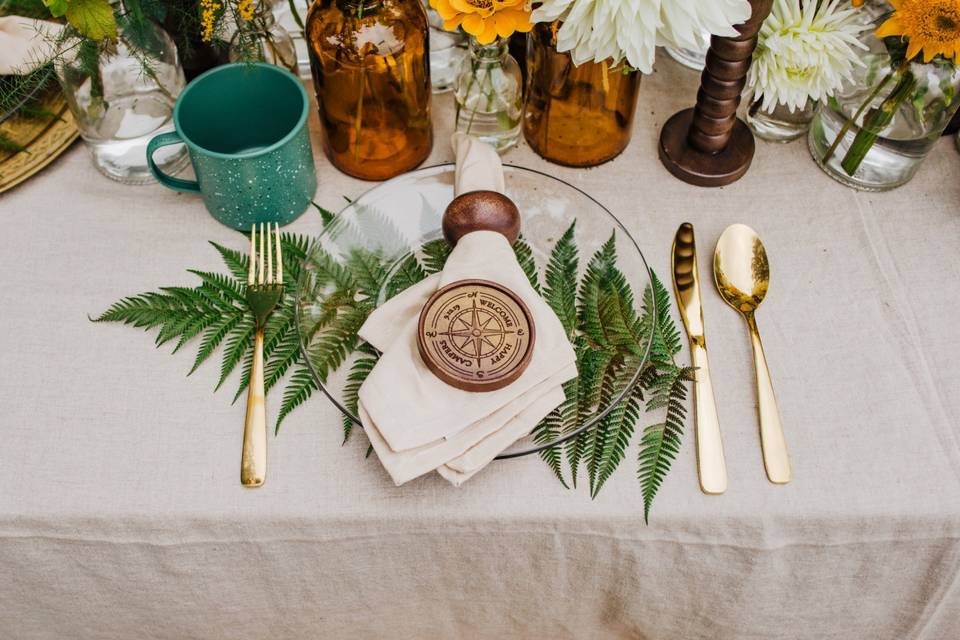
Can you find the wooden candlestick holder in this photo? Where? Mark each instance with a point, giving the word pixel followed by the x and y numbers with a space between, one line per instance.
pixel 708 145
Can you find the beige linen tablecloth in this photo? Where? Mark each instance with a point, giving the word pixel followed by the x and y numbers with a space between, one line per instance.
pixel 122 515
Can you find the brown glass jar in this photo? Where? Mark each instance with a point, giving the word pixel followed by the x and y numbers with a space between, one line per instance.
pixel 371 72
pixel 577 116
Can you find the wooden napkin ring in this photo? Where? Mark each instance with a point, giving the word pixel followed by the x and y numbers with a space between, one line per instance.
pixel 476 335
pixel 481 211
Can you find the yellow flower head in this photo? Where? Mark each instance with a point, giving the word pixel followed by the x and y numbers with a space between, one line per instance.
pixel 485 19
pixel 245 9
pixel 931 26
pixel 208 18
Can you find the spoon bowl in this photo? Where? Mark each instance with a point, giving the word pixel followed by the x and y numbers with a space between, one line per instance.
pixel 741 269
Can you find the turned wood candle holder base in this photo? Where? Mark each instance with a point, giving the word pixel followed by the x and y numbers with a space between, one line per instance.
pixel 701 168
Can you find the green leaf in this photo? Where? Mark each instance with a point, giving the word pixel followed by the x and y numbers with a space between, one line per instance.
pixel 57 7
pixel 325 214
pixel 92 18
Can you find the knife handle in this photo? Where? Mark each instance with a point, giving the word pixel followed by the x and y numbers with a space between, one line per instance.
pixel 710 462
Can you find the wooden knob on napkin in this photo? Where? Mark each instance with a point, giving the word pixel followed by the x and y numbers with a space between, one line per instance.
pixel 481 211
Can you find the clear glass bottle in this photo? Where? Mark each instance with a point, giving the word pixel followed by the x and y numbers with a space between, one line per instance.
pixel 122 95
pixel 371 71
pixel 779 123
pixel 447 49
pixel 874 133
pixel 579 116
pixel 489 94
pixel 268 42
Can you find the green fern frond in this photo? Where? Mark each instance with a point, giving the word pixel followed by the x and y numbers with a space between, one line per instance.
pixel 298 390
pixel 224 285
pixel 367 269
pixel 435 254
pixel 601 265
pixel 406 275
pixel 359 371
pixel 238 344
pixel 560 290
pixel 236 261
pixel 332 344
pixel 212 338
pixel 618 430
pixel 527 262
pixel 661 442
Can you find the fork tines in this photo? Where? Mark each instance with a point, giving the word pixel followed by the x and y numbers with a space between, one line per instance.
pixel 261 262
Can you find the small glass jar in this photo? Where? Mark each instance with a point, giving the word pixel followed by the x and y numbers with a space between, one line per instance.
pixel 489 94
pixel 121 95
pixel 779 123
pixel 695 56
pixel 579 116
pixel 371 72
pixel 268 41
pixel 447 50
pixel 874 133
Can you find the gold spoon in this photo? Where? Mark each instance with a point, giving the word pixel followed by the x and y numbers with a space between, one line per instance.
pixel 742 274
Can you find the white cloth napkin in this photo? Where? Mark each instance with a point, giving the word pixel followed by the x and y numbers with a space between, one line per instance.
pixel 25 44
pixel 418 423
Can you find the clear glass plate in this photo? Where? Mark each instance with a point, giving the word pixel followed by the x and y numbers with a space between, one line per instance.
pixel 394 220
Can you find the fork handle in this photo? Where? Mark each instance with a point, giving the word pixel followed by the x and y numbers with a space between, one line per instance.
pixel 253 464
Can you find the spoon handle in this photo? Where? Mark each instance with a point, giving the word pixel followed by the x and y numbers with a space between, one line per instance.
pixel 774 446
pixel 710 463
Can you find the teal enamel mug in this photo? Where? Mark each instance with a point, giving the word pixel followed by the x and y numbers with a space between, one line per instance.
pixel 245 127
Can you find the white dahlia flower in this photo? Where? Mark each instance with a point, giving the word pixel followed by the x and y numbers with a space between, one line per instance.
pixel 630 30
pixel 805 52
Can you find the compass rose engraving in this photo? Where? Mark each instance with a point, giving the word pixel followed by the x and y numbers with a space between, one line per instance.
pixel 476 332
pixel 475 335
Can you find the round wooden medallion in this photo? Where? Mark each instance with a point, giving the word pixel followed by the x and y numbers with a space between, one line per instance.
pixel 476 335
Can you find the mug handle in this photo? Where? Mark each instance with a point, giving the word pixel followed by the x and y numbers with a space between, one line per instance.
pixel 177 184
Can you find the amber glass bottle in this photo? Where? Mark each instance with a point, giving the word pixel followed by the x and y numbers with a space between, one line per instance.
pixel 371 72
pixel 577 116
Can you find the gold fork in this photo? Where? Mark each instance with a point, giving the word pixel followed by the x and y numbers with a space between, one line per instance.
pixel 264 291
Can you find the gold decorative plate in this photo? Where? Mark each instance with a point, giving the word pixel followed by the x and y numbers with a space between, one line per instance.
pixel 476 335
pixel 43 139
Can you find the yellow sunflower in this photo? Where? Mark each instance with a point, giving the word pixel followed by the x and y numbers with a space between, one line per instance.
pixel 485 19
pixel 931 26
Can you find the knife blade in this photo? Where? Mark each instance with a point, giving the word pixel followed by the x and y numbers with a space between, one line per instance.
pixel 711 466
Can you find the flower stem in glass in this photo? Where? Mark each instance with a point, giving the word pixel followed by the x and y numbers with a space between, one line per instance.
pixel 863 107
pixel 875 121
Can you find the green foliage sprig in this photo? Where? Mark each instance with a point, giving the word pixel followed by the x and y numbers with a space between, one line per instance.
pixel 599 316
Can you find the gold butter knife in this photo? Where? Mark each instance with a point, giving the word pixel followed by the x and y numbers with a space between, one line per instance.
pixel 686 283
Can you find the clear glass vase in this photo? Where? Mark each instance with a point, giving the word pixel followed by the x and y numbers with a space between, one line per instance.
pixel 874 133
pixel 447 50
pixel 122 95
pixel 779 123
pixel 268 41
pixel 489 94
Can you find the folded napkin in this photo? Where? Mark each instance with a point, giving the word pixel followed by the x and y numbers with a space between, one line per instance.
pixel 25 44
pixel 415 421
